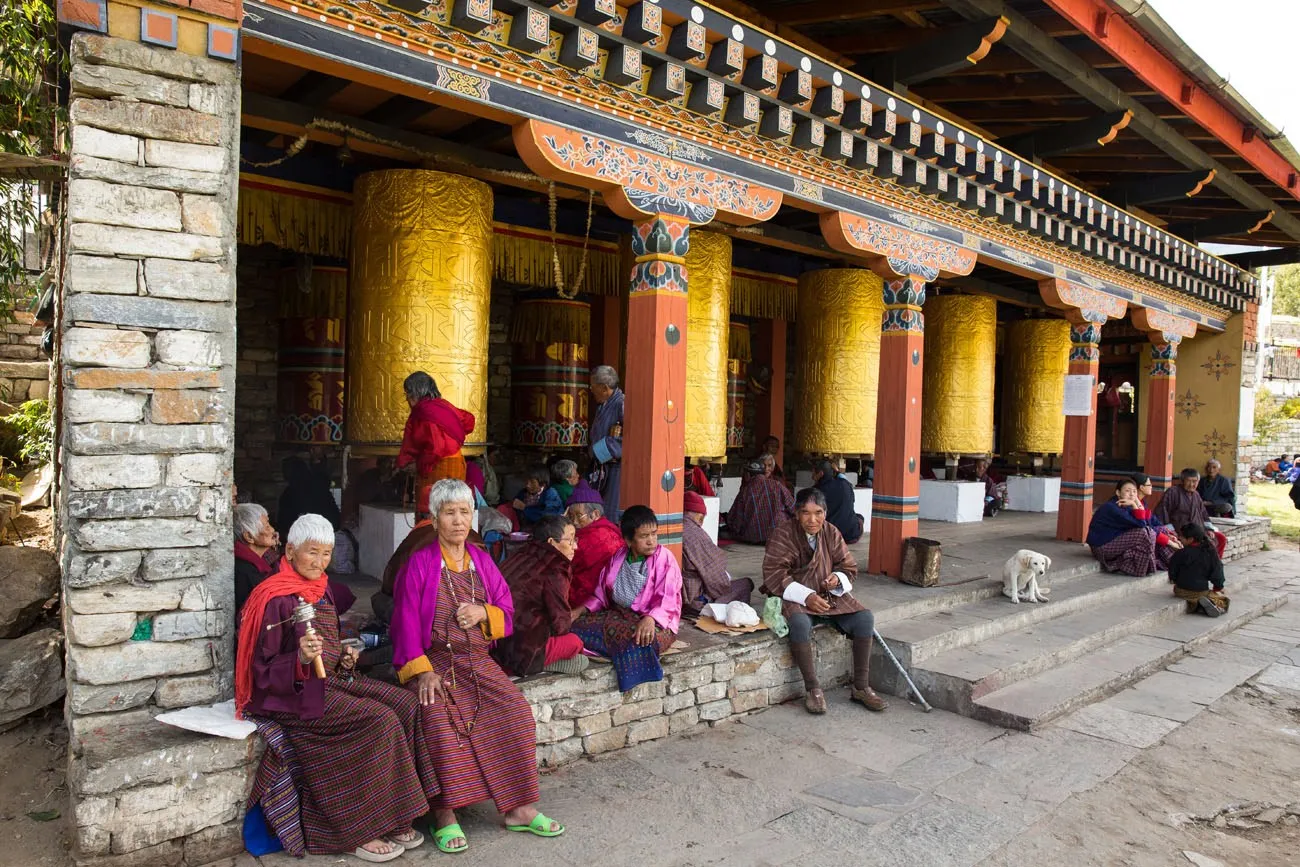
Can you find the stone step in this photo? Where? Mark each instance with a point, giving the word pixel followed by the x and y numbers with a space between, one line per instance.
pixel 1103 671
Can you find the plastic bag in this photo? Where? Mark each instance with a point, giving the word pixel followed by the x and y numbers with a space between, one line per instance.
pixel 773 617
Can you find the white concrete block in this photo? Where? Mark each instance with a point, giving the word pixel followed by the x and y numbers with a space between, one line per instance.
pixel 712 517
pixel 1033 493
pixel 382 529
pixel 862 505
pixel 953 502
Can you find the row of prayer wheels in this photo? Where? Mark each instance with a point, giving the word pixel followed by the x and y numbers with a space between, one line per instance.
pixel 421 277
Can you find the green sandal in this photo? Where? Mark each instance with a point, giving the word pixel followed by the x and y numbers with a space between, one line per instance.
pixel 442 836
pixel 540 826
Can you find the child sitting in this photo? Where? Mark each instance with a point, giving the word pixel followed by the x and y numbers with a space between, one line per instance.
pixel 535 500
pixel 1197 573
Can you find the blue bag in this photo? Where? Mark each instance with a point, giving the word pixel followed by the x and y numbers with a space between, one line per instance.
pixel 259 839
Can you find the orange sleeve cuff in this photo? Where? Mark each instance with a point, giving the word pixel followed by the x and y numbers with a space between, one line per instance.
pixel 495 625
pixel 416 666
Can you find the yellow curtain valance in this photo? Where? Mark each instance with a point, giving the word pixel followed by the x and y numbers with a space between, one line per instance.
pixel 763 296
pixel 294 217
pixel 551 320
pixel 526 257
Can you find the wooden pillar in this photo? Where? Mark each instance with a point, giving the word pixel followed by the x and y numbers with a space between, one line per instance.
pixel 770 350
pixel 896 498
pixel 1158 460
pixel 1079 458
pixel 654 419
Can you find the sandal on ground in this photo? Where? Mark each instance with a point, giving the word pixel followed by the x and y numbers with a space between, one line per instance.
pixel 868 699
pixel 415 839
pixel 815 701
pixel 375 857
pixel 540 826
pixel 443 836
pixel 573 665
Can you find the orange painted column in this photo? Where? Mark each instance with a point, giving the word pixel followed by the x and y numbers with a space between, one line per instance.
pixel 770 350
pixel 1079 459
pixel 1158 460
pixel 896 498
pixel 654 418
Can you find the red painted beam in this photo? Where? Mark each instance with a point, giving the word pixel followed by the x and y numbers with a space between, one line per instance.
pixel 1108 27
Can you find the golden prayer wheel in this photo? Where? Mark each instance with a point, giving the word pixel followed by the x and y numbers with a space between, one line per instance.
pixel 309 375
pixel 550 386
pixel 838 341
pixel 1035 360
pixel 708 313
pixel 421 282
pixel 739 354
pixel 961 338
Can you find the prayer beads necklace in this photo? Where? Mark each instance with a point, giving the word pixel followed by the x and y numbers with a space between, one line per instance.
pixel 457 718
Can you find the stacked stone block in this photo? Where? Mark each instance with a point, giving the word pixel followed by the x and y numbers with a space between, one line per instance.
pixel 24 375
pixel 146 360
pixel 1245 535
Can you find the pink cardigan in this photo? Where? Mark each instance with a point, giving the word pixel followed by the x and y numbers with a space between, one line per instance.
pixel 661 597
pixel 415 600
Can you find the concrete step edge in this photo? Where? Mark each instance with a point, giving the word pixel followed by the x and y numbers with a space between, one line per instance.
pixel 978 590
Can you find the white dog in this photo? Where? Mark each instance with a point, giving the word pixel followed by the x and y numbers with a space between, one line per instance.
pixel 1021 574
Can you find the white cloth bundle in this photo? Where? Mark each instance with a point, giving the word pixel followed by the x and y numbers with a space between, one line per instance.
pixel 735 614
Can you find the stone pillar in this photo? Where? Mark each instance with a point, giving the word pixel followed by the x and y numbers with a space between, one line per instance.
pixel 1158 460
pixel 708 320
pixel 654 421
pixel 770 351
pixel 896 498
pixel 1078 461
pixel 146 369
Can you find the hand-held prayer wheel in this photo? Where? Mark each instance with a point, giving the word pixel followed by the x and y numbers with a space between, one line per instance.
pixel 838 350
pixel 421 282
pixel 961 341
pixel 708 315
pixel 1035 359
pixel 304 612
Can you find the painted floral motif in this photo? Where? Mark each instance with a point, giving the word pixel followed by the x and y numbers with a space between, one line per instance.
pixel 668 240
pixel 1189 404
pixel 806 190
pixel 669 147
pixel 1097 305
pixel 1019 256
pixel 907 252
pixel 911 222
pixel 1219 364
pixel 1216 444
pixel 464 83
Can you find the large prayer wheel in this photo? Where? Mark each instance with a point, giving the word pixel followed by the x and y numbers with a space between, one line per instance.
pixel 708 300
pixel 1035 359
pixel 961 340
pixel 309 377
pixel 550 387
pixel 421 281
pixel 838 341
pixel 739 355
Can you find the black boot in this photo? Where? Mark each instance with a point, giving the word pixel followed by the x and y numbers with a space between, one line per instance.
pixel 814 700
pixel 862 691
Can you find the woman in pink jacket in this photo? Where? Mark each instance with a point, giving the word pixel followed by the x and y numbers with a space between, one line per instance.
pixel 633 616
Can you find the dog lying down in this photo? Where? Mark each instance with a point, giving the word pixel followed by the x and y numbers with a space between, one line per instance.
pixel 1021 574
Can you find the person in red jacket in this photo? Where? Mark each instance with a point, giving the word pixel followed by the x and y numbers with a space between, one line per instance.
pixel 435 432
pixel 598 540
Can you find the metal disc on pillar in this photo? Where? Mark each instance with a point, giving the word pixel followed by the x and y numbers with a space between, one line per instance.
pixel 309 375
pixel 1035 360
pixel 838 342
pixel 708 305
pixel 421 284
pixel 550 388
pixel 739 354
pixel 960 355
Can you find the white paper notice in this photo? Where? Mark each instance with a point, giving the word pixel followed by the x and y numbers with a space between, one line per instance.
pixel 217 719
pixel 1079 391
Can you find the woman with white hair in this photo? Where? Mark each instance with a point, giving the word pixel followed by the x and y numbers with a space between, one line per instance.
pixel 363 771
pixel 255 542
pixel 450 605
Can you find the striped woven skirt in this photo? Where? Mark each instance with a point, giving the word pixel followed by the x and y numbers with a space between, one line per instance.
pixel 451 467
pixel 483 740
pixel 612 633
pixel 1134 552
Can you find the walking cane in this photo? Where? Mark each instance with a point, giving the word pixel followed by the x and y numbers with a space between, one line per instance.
pixel 884 645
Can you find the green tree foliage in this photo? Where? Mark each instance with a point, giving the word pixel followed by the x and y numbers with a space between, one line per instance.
pixel 1271 415
pixel 1286 292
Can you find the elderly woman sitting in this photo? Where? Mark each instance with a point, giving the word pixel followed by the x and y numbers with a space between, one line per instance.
pixel 363 772
pixel 598 540
pixel 1124 537
pixel 256 542
pixel 450 605
pixel 633 616
pixel 538 577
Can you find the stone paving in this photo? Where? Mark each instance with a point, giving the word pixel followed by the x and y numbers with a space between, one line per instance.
pixel 909 788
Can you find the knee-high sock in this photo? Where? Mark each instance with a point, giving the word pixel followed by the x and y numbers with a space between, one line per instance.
pixel 802 651
pixel 862 662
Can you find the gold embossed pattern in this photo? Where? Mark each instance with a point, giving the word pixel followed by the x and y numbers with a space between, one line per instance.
pixel 838 361
pixel 961 342
pixel 708 304
pixel 421 283
pixel 1035 359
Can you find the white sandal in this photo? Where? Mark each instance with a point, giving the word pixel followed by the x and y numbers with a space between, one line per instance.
pixel 375 857
pixel 416 841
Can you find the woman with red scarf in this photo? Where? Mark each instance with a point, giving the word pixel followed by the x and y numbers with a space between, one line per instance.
pixel 435 432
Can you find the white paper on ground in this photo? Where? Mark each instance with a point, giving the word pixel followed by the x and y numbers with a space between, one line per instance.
pixel 216 719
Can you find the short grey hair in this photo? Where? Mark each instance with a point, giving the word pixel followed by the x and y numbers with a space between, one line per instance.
pixel 605 375
pixel 1214 462
pixel 419 385
pixel 311 528
pixel 446 491
pixel 248 520
pixel 589 509
pixel 561 470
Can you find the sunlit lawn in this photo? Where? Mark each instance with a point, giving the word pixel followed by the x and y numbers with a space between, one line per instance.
pixel 1273 501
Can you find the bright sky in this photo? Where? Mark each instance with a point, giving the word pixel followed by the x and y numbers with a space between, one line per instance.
pixel 1252 43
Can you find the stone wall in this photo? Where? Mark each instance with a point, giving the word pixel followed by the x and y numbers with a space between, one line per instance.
pixel 1287 442
pixel 1246 535
pixel 146 360
pixel 24 373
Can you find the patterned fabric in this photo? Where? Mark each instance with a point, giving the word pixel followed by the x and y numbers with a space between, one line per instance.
pixel 791 559
pixel 354 768
pixel 630 582
pixel 1134 552
pixel 483 739
pixel 275 787
pixel 538 576
pixel 597 543
pixel 612 634
pixel 704 567
pixel 1179 507
pixel 607 451
pixel 761 504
